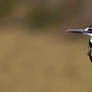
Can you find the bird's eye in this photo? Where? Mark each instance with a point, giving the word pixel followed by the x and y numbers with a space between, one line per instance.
pixel 90 29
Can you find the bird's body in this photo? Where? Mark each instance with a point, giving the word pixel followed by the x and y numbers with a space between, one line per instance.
pixel 85 31
pixel 90 50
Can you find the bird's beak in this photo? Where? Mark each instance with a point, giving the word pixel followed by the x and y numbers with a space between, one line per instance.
pixel 75 31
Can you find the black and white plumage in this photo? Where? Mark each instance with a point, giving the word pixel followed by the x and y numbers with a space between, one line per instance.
pixel 85 31
pixel 90 49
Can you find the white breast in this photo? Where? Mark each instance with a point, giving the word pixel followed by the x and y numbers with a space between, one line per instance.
pixel 91 40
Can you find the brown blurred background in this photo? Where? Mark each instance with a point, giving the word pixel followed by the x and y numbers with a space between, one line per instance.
pixel 36 54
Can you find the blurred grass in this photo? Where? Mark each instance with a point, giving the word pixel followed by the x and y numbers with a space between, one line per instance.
pixel 42 63
pixel 44 14
pixel 6 7
pixel 42 17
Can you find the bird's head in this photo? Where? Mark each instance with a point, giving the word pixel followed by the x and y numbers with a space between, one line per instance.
pixel 85 31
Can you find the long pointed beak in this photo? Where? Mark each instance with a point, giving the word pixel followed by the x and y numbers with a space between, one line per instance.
pixel 75 30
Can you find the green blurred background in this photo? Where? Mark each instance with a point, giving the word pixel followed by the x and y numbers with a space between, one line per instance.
pixel 36 54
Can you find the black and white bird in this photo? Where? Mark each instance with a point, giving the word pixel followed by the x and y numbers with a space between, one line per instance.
pixel 85 31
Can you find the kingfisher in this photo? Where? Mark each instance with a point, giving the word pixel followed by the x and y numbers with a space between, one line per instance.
pixel 85 31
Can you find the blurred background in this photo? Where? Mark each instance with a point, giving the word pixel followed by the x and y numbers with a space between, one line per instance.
pixel 36 54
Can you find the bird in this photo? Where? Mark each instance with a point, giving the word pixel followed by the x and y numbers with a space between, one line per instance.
pixel 85 31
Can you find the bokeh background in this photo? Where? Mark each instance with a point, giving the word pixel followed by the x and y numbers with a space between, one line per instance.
pixel 36 54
